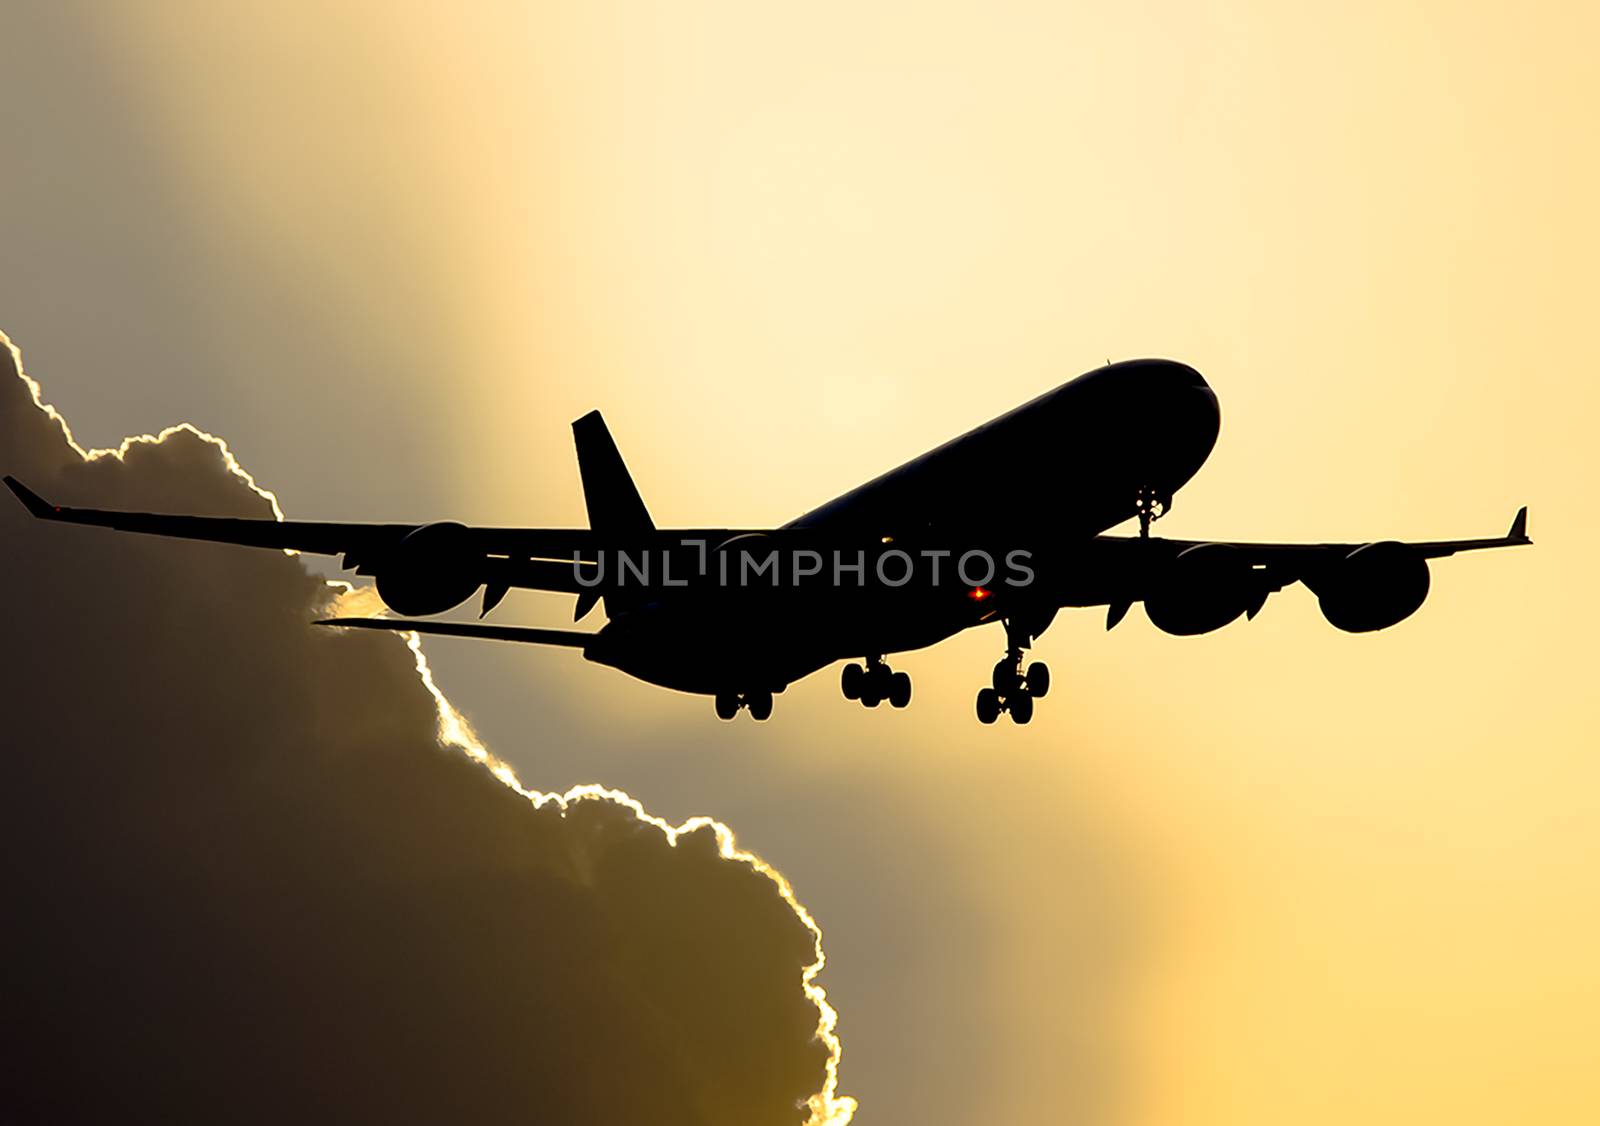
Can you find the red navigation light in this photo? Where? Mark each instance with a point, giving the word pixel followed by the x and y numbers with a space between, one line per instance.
pixel 979 593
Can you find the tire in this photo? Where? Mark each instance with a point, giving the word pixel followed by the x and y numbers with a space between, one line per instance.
pixel 760 705
pixel 988 705
pixel 727 705
pixel 1038 680
pixel 851 681
pixel 871 698
pixel 899 690
pixel 1021 708
pixel 1005 679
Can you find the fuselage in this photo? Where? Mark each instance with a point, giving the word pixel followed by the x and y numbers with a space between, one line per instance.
pixel 1055 471
pixel 1007 523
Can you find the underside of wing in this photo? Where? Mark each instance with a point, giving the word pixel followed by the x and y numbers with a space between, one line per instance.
pixel 288 535
pixel 529 635
pixel 1191 587
pixel 422 568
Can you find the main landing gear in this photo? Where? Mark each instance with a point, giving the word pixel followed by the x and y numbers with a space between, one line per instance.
pixel 758 703
pixel 1013 690
pixel 874 683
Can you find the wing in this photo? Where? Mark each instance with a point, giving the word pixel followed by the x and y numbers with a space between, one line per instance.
pixel 1286 554
pixel 528 635
pixel 532 558
pixel 1116 571
pixel 288 535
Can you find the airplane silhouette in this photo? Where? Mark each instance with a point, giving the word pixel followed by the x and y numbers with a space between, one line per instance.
pixel 1002 524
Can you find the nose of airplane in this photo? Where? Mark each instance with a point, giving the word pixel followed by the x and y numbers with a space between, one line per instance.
pixel 1194 419
pixel 1157 389
pixel 1170 413
pixel 1155 374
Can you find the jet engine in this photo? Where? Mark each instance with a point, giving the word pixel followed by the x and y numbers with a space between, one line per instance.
pixel 430 571
pixel 1374 587
pixel 1203 589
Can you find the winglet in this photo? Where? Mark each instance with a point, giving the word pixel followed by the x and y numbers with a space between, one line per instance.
pixel 31 500
pixel 1519 526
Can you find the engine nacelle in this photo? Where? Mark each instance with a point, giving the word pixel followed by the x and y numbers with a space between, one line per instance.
pixel 1203 589
pixel 430 571
pixel 1374 587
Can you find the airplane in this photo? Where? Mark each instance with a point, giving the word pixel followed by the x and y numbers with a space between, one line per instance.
pixel 1006 523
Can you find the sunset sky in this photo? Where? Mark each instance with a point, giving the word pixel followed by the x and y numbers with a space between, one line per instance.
pixel 1274 874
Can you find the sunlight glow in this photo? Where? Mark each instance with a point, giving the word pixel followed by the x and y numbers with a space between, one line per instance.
pixel 827 1107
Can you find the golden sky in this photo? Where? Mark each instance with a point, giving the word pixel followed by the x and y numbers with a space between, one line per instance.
pixel 1275 874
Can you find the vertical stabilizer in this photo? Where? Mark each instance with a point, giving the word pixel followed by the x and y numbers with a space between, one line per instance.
pixel 613 500
pixel 616 510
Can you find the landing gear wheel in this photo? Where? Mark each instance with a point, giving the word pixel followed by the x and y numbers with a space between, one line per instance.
pixel 727 704
pixel 760 705
pixel 875 682
pixel 1013 690
pixel 988 705
pixel 1021 708
pixel 1006 679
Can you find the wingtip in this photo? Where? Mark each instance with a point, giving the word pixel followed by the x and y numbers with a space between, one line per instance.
pixel 31 500
pixel 1519 526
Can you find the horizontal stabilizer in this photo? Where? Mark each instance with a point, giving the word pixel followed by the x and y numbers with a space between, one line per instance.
pixel 527 634
pixel 30 499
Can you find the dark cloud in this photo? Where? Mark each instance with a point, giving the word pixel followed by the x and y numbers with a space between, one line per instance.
pixel 243 880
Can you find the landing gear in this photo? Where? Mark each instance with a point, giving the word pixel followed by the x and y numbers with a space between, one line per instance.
pixel 729 703
pixel 760 705
pixel 988 705
pixel 1150 507
pixel 1011 689
pixel 874 683
pixel 1021 708
pixel 1007 675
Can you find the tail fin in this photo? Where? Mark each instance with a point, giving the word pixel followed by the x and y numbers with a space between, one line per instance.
pixel 615 506
pixel 613 501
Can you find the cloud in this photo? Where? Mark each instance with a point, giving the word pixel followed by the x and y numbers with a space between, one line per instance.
pixel 252 871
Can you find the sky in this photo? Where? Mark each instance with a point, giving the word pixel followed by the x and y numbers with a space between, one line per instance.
pixel 267 881
pixel 1275 872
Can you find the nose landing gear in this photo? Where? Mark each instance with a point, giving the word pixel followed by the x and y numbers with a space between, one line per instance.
pixel 1150 506
pixel 874 683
